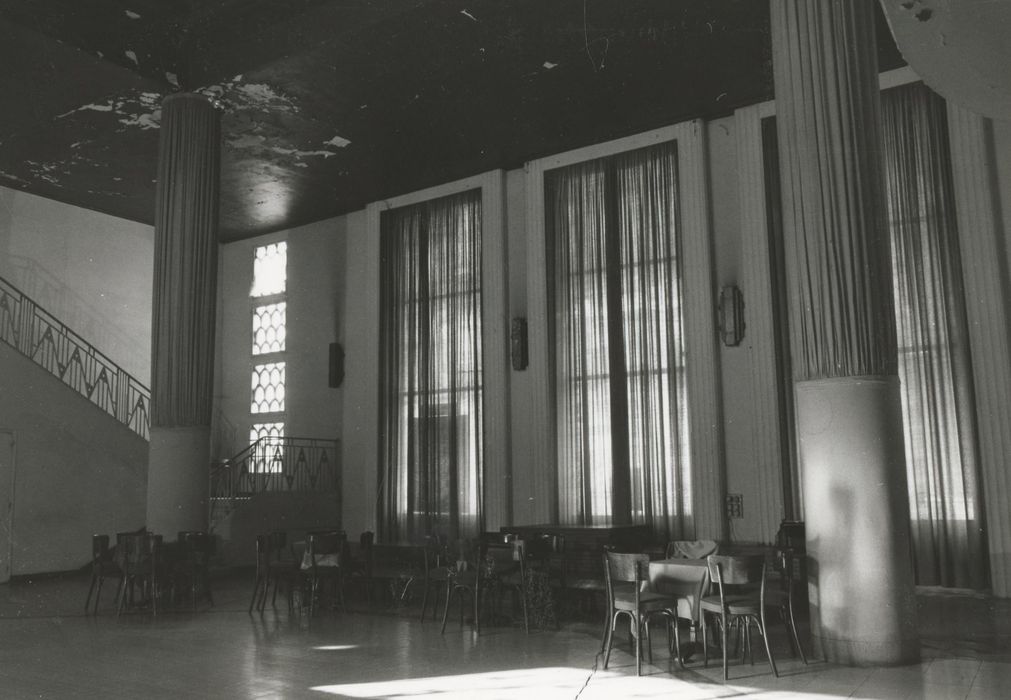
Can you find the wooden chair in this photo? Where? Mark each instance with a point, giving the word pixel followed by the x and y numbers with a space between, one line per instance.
pixel 275 566
pixel 138 556
pixel 464 582
pixel 503 568
pixel 627 596
pixel 360 563
pixel 193 564
pixel 437 568
pixel 783 596
pixel 102 566
pixel 739 603
pixel 325 566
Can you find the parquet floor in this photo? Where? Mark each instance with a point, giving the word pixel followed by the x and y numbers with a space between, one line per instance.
pixel 50 649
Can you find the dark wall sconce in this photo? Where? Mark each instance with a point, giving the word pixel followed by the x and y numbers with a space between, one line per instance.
pixel 731 321
pixel 518 343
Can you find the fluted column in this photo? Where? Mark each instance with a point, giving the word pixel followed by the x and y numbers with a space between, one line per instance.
pixel 183 323
pixel 848 406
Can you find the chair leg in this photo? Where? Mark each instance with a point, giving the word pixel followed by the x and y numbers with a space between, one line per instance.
pixel 705 642
pixel 765 640
pixel 477 611
pixel 609 638
pixel 424 600
pixel 638 646
pixel 674 639
pixel 793 632
pixel 256 594
pixel 122 595
pixel 723 639
pixel 445 610
pixel 523 602
pixel 608 625
pixel 87 601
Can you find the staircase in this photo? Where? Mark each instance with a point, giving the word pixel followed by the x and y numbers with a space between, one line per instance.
pixel 275 483
pixel 42 338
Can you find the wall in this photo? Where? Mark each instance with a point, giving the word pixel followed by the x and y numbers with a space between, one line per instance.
pixel 751 458
pixel 77 470
pixel 90 270
pixel 315 302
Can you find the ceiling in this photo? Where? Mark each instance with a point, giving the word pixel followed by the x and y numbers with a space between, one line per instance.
pixel 331 104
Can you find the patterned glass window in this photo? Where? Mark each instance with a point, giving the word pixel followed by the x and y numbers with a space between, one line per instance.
pixel 269 328
pixel 270 269
pixel 268 453
pixel 268 388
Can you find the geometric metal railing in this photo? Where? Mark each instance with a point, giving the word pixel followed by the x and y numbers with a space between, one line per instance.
pixel 42 338
pixel 288 464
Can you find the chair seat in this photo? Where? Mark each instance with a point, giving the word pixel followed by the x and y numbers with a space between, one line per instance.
pixel 648 601
pixel 736 604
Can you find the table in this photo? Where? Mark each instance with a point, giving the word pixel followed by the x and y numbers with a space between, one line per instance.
pixel 685 578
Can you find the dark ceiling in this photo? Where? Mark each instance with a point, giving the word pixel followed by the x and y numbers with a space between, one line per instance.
pixel 330 104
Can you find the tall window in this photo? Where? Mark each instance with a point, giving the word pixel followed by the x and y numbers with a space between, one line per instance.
pixel 431 384
pixel 622 423
pixel 267 384
pixel 934 364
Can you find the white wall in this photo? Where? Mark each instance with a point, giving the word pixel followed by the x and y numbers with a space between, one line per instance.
pixel 315 303
pixel 78 471
pixel 92 271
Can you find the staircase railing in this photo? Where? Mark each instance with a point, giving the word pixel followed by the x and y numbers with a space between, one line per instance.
pixel 44 339
pixel 288 464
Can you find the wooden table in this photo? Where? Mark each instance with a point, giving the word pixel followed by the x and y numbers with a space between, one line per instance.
pixel 685 578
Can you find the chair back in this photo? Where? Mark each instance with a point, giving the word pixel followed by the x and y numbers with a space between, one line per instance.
pixel 624 568
pixel 276 542
pixel 502 560
pixel 196 543
pixel 690 549
pixel 435 553
pixel 736 574
pixel 137 552
pixel 325 548
pixel 100 548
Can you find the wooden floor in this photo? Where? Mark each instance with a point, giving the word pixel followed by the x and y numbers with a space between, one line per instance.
pixel 50 649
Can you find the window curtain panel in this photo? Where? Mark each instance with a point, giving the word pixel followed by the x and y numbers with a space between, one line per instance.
pixel 622 437
pixel 431 444
pixel 933 354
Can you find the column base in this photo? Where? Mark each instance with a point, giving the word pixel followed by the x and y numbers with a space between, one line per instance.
pixel 856 510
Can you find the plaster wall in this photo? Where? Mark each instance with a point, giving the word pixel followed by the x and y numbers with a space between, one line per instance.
pixel 315 304
pixel 77 470
pixel 92 271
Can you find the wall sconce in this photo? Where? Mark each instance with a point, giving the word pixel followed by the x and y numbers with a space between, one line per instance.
pixel 518 342
pixel 731 321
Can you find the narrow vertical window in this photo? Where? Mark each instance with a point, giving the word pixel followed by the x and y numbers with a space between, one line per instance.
pixel 268 365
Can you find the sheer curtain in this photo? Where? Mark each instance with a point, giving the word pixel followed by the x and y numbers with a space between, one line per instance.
pixel 934 363
pixel 430 370
pixel 619 353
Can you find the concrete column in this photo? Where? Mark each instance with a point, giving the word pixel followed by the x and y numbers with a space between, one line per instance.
pixel 852 460
pixel 183 323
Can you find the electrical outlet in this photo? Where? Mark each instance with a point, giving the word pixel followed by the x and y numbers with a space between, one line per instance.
pixel 735 505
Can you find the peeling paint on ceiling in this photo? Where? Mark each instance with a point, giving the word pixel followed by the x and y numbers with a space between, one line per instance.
pixel 330 104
